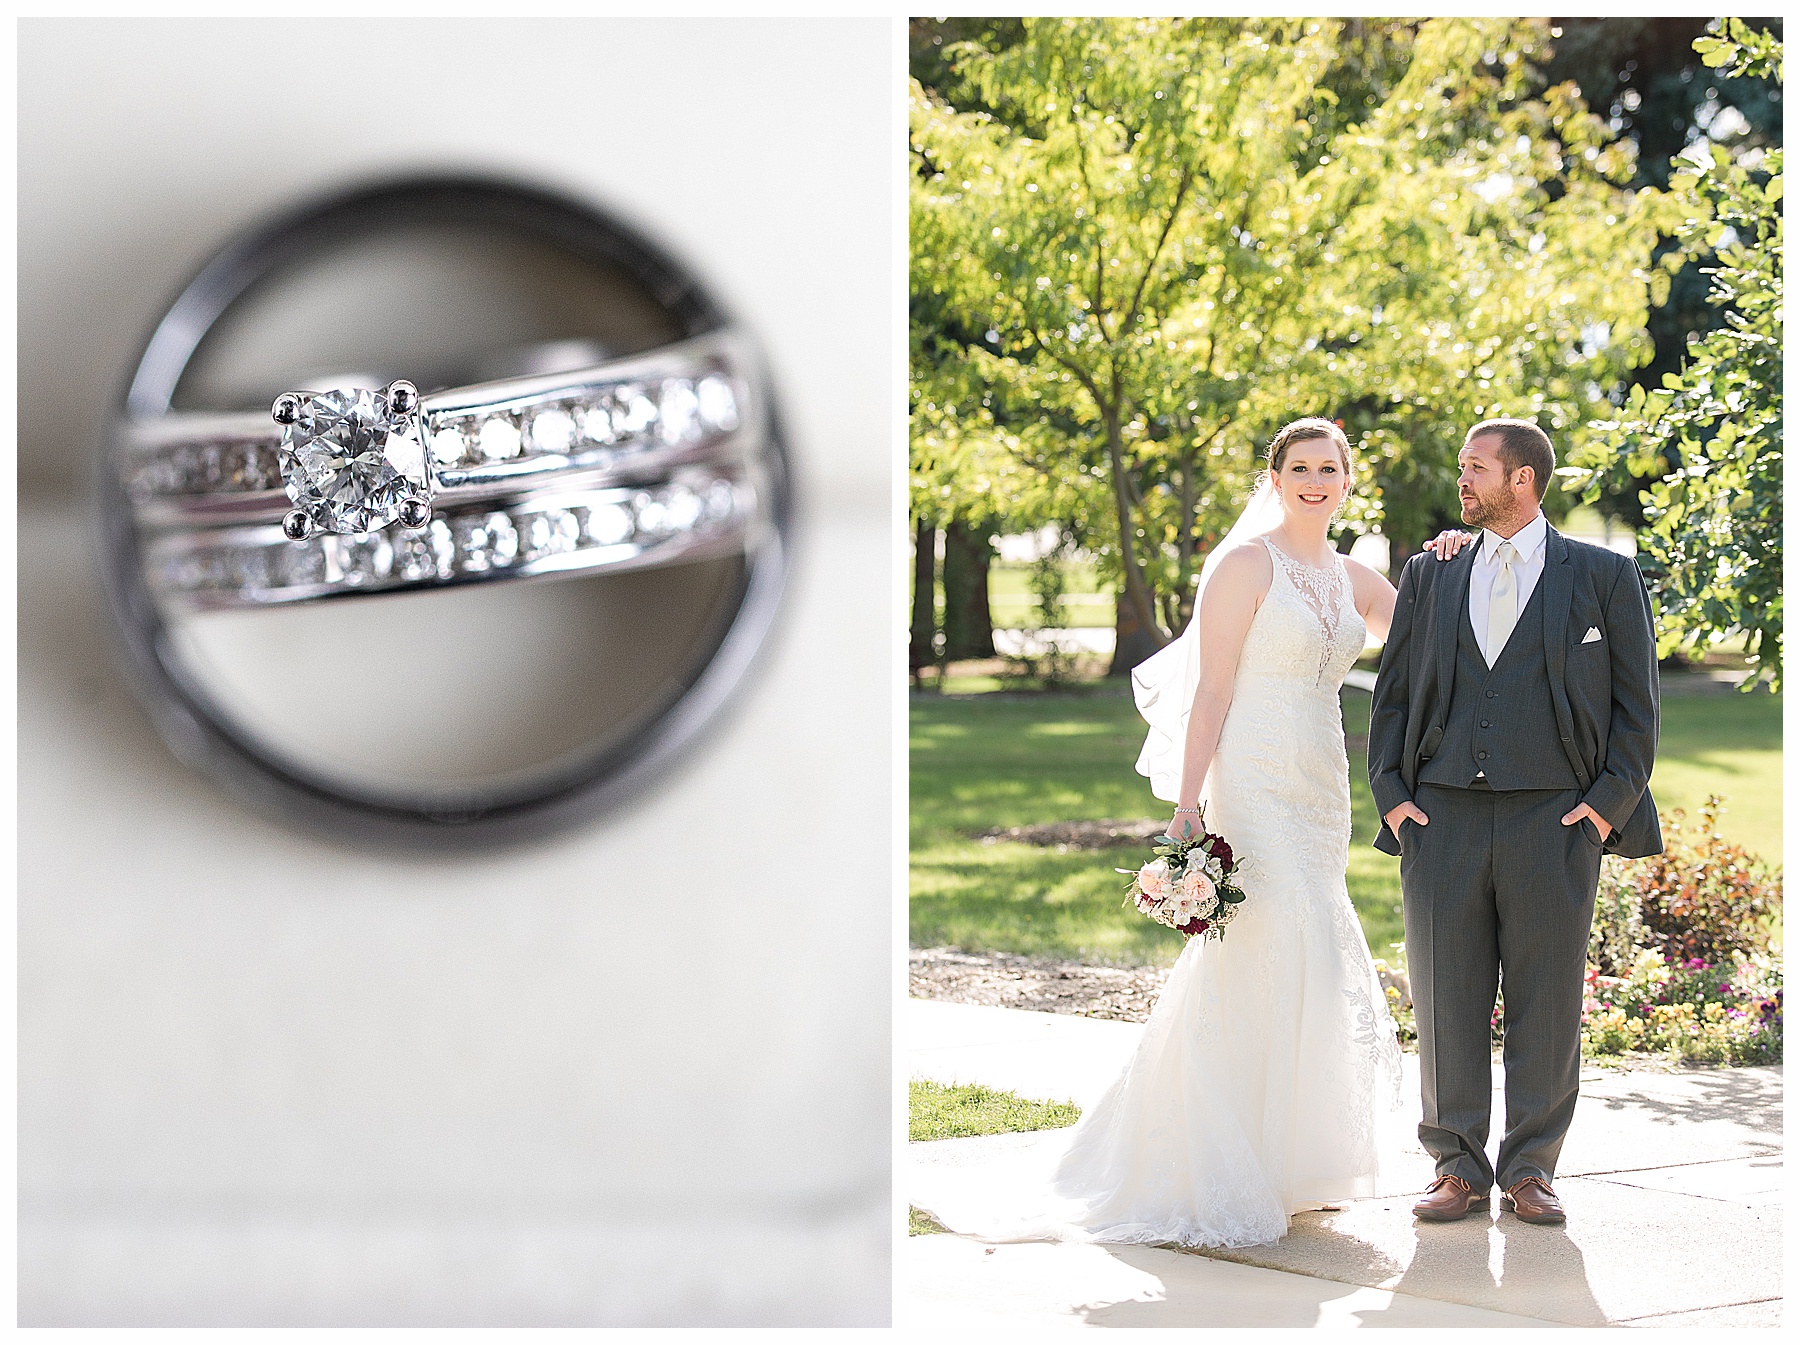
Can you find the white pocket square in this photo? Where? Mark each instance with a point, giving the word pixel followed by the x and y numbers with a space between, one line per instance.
pixel 1592 635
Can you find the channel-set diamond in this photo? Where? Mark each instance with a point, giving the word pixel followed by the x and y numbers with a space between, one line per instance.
pixel 611 525
pixel 623 418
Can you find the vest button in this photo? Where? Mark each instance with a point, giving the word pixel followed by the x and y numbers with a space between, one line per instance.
pixel 1492 694
pixel 1486 725
pixel 1481 756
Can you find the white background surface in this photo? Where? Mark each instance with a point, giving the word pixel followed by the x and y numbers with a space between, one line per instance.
pixel 265 1078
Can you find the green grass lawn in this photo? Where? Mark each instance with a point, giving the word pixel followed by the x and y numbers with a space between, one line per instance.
pixel 993 761
pixel 938 1111
pixel 1013 606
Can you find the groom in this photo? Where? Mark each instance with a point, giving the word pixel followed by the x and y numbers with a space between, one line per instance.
pixel 1511 740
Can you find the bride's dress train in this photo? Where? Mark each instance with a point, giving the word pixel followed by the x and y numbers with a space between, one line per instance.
pixel 1257 1088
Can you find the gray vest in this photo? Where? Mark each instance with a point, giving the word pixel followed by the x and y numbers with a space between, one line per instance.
pixel 1501 720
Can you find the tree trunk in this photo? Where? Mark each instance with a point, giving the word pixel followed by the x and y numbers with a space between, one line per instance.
pixel 968 624
pixel 1132 644
pixel 1137 596
pixel 922 649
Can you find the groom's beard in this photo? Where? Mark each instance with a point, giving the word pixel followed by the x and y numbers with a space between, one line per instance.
pixel 1486 511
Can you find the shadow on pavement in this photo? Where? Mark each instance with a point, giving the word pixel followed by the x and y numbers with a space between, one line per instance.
pixel 1297 1306
pixel 1744 1097
pixel 1541 1271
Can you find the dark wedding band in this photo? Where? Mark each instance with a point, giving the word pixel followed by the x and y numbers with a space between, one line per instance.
pixel 185 512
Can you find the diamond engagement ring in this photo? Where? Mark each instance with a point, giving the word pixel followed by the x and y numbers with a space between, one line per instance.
pixel 635 462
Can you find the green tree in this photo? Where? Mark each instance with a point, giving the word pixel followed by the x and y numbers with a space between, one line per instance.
pixel 1712 545
pixel 1644 75
pixel 1138 246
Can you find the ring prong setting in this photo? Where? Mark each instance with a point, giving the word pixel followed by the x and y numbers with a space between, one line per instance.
pixel 403 397
pixel 415 513
pixel 286 409
pixel 296 526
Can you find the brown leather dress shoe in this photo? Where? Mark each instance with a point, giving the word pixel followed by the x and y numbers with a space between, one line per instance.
pixel 1533 1201
pixel 1447 1199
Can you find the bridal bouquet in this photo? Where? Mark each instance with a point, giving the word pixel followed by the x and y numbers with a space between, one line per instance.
pixel 1188 885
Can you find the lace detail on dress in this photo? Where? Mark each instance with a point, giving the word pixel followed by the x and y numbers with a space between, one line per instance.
pixel 1322 590
pixel 1256 1088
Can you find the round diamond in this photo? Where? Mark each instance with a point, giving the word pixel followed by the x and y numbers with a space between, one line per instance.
pixel 354 561
pixel 682 508
pixel 414 558
pixel 303 563
pixel 652 517
pixel 253 570
pixel 680 412
pixel 718 406
pixel 499 439
pixel 636 414
pixel 552 532
pixel 597 424
pixel 487 543
pixel 609 524
pixel 348 460
pixel 552 431
pixel 720 499
pixel 448 446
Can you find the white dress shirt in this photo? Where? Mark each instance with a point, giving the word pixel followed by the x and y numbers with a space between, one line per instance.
pixel 1527 569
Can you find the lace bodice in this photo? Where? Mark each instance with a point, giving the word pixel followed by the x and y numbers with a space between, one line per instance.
pixel 1307 627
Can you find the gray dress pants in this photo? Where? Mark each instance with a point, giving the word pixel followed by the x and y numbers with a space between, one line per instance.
pixel 1497 892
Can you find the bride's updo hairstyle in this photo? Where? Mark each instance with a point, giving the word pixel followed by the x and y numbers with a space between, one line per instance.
pixel 1308 427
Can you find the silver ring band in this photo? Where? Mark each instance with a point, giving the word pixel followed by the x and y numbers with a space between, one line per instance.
pixel 698 513
pixel 629 419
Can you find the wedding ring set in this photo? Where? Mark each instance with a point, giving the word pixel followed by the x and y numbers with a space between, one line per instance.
pixel 645 461
pixel 637 435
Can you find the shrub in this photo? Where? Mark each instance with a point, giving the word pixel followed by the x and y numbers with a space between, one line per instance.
pixel 1702 898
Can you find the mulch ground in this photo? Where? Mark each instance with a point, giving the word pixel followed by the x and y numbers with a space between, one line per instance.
pixel 1046 984
pixel 1091 835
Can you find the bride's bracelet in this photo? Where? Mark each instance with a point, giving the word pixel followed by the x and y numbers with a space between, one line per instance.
pixel 1194 811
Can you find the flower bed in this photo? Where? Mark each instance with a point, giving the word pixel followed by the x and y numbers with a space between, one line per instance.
pixel 1679 961
pixel 1696 1010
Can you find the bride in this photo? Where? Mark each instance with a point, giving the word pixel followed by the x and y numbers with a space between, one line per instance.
pixel 1257 1087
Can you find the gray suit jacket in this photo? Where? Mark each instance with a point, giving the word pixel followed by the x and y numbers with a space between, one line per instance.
pixel 1604 691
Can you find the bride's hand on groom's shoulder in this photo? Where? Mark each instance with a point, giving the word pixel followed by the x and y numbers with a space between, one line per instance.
pixel 1448 543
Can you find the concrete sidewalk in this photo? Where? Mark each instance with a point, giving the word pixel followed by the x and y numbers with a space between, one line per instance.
pixel 1673 1184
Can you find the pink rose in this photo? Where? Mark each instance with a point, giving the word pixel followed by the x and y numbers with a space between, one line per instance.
pixel 1198 888
pixel 1153 879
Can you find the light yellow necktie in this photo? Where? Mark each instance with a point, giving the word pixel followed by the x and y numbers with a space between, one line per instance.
pixel 1503 603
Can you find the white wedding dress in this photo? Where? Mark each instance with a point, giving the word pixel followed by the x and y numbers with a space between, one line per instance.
pixel 1258 1086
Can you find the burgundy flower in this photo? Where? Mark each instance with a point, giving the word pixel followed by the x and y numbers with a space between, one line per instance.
pixel 1219 850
